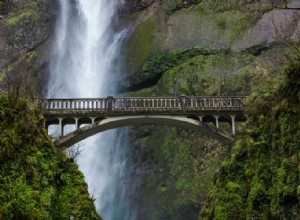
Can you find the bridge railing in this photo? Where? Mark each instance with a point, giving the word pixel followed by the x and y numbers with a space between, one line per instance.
pixel 146 104
pixel 75 104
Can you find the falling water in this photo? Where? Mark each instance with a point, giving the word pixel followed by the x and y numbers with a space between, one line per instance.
pixel 84 61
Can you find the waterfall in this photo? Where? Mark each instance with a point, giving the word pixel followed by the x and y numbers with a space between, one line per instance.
pixel 83 64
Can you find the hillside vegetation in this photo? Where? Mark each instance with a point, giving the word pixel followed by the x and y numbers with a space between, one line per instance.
pixel 260 179
pixel 37 181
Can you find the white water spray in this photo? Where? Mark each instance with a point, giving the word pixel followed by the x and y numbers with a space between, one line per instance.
pixel 83 63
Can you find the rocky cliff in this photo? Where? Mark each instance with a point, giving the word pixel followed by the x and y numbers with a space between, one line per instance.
pixel 26 28
pixel 197 48
pixel 260 177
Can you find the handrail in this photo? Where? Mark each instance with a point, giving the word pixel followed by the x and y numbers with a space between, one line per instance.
pixel 120 104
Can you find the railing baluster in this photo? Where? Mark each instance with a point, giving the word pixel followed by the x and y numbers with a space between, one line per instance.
pixel 171 105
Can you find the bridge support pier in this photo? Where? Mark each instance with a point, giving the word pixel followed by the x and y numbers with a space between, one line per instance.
pixel 61 127
pixel 200 118
pixel 76 123
pixel 217 120
pixel 233 123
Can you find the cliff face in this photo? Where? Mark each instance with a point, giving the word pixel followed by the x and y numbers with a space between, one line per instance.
pixel 25 29
pixel 197 48
pixel 238 27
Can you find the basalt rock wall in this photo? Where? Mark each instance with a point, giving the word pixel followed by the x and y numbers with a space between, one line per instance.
pixel 26 28
pixel 197 48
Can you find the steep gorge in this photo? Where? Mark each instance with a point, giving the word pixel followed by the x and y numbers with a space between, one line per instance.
pixel 175 48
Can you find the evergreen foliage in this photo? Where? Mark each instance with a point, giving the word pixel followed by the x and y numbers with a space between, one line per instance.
pixel 37 181
pixel 261 177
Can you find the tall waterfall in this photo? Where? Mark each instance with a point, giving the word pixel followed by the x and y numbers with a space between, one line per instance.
pixel 84 61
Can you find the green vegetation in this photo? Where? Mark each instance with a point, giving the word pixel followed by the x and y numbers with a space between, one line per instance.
pixel 202 71
pixel 210 6
pixel 260 179
pixel 148 55
pixel 154 67
pixel 29 10
pixel 232 25
pixel 182 163
pixel 14 18
pixel 140 44
pixel 31 56
pixel 213 74
pixel 172 6
pixel 37 181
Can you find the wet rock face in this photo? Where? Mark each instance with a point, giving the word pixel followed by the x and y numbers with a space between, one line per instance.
pixel 170 5
pixel 293 4
pixel 278 25
pixel 254 27
pixel 138 5
pixel 24 26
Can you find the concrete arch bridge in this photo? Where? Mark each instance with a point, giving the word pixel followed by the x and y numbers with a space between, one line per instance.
pixel 202 114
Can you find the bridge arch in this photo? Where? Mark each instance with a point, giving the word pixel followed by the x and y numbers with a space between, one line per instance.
pixel 197 113
pixel 122 121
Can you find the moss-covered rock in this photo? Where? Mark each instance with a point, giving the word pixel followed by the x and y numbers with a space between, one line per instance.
pixel 252 26
pixel 206 49
pixel 176 166
pixel 154 67
pixel 25 26
pixel 260 178
pixel 141 38
pixel 37 181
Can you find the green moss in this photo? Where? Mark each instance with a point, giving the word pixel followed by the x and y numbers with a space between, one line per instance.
pixel 15 17
pixel 231 25
pixel 182 172
pixel 264 161
pixel 140 44
pixel 212 6
pixel 142 92
pixel 37 181
pixel 208 75
pixel 2 76
pixel 28 10
pixel 31 56
pixel 154 67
